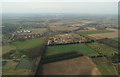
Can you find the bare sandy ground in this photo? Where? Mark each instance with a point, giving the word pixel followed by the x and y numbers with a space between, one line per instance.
pixel 91 28
pixel 85 30
pixel 104 35
pixel 95 71
pixel 63 28
pixel 111 29
pixel 76 66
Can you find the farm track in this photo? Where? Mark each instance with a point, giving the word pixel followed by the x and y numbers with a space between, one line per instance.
pixel 95 71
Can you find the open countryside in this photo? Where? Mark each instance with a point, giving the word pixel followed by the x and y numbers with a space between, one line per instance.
pixel 60 40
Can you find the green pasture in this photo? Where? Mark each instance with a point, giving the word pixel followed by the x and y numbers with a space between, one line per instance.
pixel 105 67
pixel 94 32
pixel 80 48
pixel 10 69
pixel 100 48
pixel 7 48
pixel 116 39
pixel 24 64
pixel 28 44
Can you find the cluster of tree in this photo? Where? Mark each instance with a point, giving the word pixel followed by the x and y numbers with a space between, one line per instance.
pixel 89 41
pixel 98 56
pixel 8 55
pixel 7 32
pixel 8 29
pixel 110 42
pixel 116 58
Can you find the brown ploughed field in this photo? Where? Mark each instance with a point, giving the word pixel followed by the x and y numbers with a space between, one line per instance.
pixel 75 66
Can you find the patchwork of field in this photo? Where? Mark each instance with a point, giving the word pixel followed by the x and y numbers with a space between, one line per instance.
pixel 62 68
pixel 20 48
pixel 104 66
pixel 112 34
pixel 21 61
pixel 62 28
pixel 80 48
pixel 86 32
pixel 24 64
pixel 75 66
pixel 12 68
pixel 101 48
pixel 104 35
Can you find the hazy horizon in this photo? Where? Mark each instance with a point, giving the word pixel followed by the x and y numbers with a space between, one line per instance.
pixel 60 7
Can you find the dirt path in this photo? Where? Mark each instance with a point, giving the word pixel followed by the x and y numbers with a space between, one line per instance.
pixel 95 71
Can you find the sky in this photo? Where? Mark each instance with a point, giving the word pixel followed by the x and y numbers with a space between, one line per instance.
pixel 59 0
pixel 61 7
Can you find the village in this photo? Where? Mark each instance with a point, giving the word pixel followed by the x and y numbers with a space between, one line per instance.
pixel 68 38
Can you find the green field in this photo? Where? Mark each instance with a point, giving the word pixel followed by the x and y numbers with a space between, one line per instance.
pixel 117 66
pixel 24 64
pixel 80 48
pixel 7 48
pixel 29 48
pixel 10 65
pixel 104 66
pixel 116 39
pixel 94 32
pixel 102 48
pixel 28 44
pixel 10 69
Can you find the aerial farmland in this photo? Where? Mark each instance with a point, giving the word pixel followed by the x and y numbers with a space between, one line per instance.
pixel 61 43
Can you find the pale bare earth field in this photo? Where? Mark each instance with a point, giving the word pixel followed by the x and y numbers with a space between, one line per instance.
pixel 106 35
pixel 88 29
pixel 91 28
pixel 112 29
pixel 85 30
pixel 61 28
pixel 76 66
